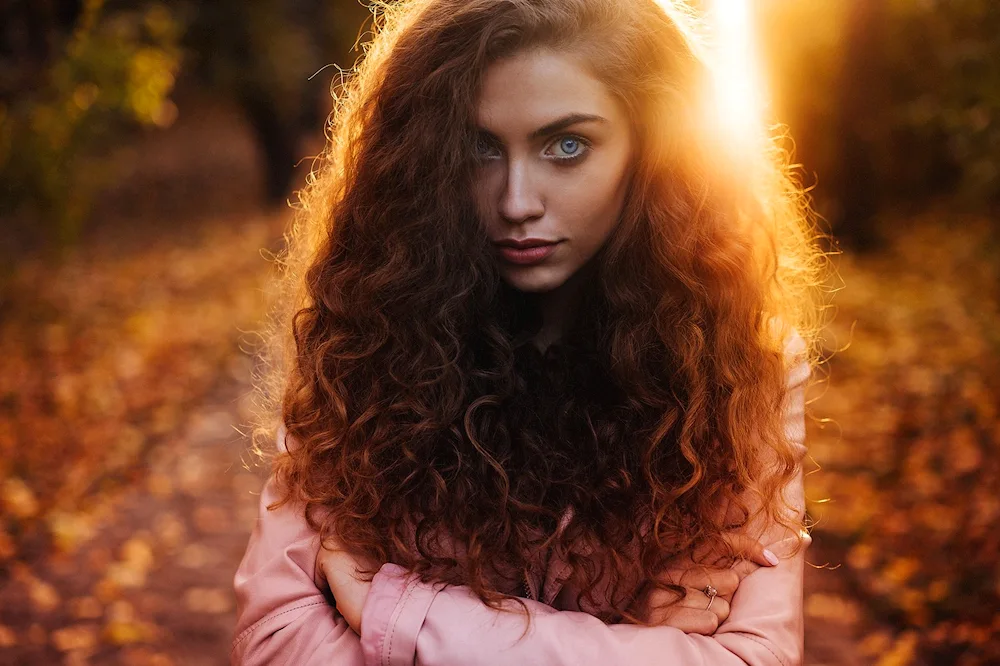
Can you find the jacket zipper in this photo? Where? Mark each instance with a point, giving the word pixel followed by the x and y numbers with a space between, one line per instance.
pixel 527 587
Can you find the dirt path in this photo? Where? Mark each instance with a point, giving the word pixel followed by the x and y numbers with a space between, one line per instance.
pixel 146 541
pixel 164 564
pixel 154 586
pixel 148 578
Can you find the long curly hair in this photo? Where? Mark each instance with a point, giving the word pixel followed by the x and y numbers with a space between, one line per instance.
pixel 396 355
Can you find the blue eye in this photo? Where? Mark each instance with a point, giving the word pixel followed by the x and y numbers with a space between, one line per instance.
pixel 570 148
pixel 569 145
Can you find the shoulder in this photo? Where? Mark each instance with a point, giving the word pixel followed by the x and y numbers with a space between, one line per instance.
pixel 786 336
pixel 795 344
pixel 797 372
pixel 797 357
pixel 796 360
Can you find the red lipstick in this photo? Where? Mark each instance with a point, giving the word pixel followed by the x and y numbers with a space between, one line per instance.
pixel 526 251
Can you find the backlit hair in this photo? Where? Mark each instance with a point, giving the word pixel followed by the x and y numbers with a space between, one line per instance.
pixel 393 356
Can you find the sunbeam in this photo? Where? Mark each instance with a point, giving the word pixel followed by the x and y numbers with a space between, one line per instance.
pixel 738 95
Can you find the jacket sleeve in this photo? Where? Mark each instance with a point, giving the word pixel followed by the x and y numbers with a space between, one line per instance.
pixel 282 614
pixel 406 621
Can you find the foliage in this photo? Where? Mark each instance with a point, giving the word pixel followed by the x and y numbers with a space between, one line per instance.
pixel 116 68
pixel 910 456
pixel 932 119
pixel 103 356
pixel 943 79
pixel 801 48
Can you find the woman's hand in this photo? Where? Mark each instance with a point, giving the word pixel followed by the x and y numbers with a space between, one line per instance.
pixel 340 569
pixel 694 614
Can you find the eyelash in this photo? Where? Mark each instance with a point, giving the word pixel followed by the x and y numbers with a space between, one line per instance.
pixel 561 160
pixel 484 145
pixel 573 158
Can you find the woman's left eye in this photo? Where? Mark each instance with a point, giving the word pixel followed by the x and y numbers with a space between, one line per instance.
pixel 569 147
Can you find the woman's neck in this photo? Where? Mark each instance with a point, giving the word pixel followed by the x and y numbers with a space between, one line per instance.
pixel 558 307
pixel 544 339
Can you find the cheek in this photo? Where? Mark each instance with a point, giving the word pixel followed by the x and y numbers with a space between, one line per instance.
pixel 485 192
pixel 591 204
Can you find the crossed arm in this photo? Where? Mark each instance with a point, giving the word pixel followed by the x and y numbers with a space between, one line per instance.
pixel 284 617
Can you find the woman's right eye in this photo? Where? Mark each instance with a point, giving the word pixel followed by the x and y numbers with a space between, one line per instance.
pixel 486 148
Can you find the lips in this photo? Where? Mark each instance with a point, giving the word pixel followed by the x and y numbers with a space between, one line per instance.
pixel 524 243
pixel 527 252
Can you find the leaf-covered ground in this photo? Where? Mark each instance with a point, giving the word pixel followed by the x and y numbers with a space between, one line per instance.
pixel 126 503
pixel 126 506
pixel 907 438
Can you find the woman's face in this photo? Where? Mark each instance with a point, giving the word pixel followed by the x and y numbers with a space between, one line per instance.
pixel 555 157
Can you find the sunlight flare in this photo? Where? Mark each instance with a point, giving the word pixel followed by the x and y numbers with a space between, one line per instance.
pixel 738 95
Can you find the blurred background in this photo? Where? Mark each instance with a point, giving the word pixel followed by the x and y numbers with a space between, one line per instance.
pixel 148 155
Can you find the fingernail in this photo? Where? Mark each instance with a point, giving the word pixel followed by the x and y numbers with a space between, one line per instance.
pixel 770 557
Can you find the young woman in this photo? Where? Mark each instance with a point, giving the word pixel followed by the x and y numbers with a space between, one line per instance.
pixel 541 367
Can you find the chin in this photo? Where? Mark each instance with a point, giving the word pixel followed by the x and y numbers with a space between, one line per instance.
pixel 533 280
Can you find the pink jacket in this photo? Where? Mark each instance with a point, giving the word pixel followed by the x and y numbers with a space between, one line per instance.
pixel 285 614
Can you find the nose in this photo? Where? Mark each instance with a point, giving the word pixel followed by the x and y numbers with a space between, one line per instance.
pixel 520 201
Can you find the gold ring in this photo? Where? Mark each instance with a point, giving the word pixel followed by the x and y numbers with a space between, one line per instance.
pixel 710 592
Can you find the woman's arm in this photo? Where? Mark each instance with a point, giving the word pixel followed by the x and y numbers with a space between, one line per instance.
pixel 405 621
pixel 282 616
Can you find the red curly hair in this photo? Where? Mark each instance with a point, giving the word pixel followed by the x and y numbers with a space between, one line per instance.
pixel 394 359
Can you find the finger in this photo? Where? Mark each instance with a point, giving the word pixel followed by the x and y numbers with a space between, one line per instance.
pixel 661 609
pixel 751 549
pixel 688 620
pixel 698 600
pixel 742 568
pixel 725 581
pixel 706 554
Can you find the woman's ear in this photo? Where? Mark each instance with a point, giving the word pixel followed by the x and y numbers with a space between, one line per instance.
pixel 280 438
pixel 285 442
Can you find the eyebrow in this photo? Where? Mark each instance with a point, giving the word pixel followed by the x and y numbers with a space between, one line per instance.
pixel 565 122
pixel 561 124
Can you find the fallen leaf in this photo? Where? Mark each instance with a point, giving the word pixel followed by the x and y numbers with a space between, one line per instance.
pixel 170 529
pixel 832 608
pixel 126 633
pixel 18 499
pixel 85 608
pixel 121 611
pixel 69 530
pixel 902 651
pixel 211 519
pixel 207 600
pixel 137 553
pixel 196 556
pixel 107 590
pixel 159 485
pixel 875 643
pixel 75 637
pixel 123 575
pixel 44 596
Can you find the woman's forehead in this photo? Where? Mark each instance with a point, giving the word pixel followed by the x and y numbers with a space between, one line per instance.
pixel 528 90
